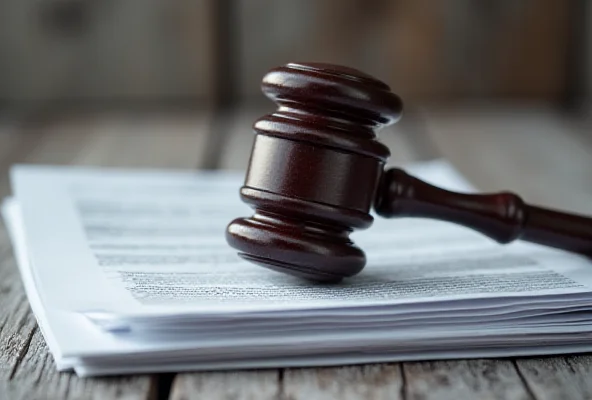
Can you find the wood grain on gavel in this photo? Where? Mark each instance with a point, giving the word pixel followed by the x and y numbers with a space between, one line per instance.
pixel 317 169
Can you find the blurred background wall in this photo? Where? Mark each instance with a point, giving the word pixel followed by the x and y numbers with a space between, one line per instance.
pixel 122 53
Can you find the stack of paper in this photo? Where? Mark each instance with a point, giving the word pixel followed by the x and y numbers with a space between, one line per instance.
pixel 129 271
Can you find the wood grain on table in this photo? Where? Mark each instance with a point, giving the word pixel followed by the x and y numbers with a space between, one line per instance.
pixel 532 150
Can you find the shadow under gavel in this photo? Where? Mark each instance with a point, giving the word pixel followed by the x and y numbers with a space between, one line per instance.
pixel 317 168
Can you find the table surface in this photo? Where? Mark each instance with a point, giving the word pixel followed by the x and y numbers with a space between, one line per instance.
pixel 533 150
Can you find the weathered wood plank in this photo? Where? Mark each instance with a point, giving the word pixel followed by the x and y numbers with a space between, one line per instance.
pixel 17 324
pixel 9 137
pixel 464 379
pixel 247 385
pixel 17 139
pixel 239 137
pixel 567 378
pixel 56 141
pixel 37 365
pixel 160 140
pixel 27 370
pixel 382 381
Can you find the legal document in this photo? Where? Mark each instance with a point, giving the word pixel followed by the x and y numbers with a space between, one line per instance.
pixel 128 271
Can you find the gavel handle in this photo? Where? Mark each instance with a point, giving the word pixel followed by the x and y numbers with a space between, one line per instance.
pixel 504 216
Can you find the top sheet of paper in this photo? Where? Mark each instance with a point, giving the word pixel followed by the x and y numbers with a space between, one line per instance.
pixel 133 243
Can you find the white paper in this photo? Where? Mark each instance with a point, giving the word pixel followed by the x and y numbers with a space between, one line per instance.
pixel 120 263
pixel 140 243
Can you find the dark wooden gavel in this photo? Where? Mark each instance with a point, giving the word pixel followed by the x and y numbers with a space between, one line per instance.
pixel 317 168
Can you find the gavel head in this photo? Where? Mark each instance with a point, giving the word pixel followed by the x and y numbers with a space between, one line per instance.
pixel 314 170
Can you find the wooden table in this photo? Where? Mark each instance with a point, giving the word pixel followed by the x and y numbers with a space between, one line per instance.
pixel 533 150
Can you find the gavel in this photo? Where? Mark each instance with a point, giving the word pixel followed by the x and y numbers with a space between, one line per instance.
pixel 317 168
